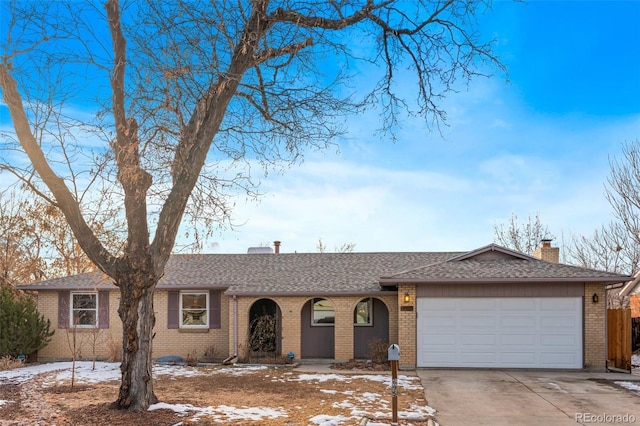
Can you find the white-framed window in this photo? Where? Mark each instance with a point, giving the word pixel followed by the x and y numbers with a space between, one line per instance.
pixel 363 313
pixel 194 309
pixel 322 312
pixel 84 310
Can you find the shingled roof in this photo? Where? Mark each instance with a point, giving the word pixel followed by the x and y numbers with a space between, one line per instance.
pixel 493 263
pixel 341 273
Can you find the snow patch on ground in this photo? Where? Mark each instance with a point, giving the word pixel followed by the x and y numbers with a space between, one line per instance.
pixel 634 386
pixel 223 413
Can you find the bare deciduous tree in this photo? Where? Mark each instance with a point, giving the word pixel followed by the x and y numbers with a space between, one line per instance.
pixel 616 246
pixel 623 193
pixel 20 258
pixel 321 247
pixel 167 107
pixel 524 237
pixel 37 242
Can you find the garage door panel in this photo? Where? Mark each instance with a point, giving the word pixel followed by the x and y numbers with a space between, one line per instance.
pixel 497 332
pixel 518 339
pixel 555 322
pixel 558 340
pixel 558 304
pixel 482 305
pixel 440 339
pixel 478 358
pixel 445 359
pixel 519 322
pixel 552 360
pixel 517 304
pixel 509 359
pixel 479 339
pixel 477 321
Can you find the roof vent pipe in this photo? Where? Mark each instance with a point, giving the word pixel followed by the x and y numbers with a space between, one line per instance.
pixel 276 244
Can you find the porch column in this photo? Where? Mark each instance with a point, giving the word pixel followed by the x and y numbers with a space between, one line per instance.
pixel 343 328
pixel 291 340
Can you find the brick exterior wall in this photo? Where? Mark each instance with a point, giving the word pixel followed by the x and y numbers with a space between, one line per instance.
pixel 634 304
pixel 193 342
pixel 402 328
pixel 188 342
pixel 86 339
pixel 595 339
pixel 178 342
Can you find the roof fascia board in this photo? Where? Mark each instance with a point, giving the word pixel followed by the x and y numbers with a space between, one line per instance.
pixel 606 280
pixel 630 286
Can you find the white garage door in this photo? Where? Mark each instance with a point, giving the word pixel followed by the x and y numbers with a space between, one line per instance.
pixel 520 332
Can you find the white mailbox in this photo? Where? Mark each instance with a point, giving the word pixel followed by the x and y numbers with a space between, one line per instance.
pixel 393 353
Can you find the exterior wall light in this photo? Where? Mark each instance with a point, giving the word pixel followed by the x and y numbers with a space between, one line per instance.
pixel 594 298
pixel 407 298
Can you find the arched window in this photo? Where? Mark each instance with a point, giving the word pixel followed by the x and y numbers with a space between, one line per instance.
pixel 363 313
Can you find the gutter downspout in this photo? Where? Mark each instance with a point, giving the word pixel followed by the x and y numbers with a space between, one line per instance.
pixel 235 332
pixel 235 326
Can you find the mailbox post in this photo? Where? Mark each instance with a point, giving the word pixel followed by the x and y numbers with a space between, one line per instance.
pixel 393 355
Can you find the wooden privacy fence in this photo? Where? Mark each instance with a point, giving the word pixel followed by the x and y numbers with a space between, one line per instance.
pixel 619 339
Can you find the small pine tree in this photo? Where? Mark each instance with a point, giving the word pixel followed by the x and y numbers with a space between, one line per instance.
pixel 22 330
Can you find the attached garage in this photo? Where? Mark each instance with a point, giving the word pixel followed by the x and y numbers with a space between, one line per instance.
pixel 497 308
pixel 500 332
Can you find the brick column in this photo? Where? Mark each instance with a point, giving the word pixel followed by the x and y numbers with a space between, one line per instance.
pixel 407 326
pixel 595 339
pixel 343 328
pixel 290 308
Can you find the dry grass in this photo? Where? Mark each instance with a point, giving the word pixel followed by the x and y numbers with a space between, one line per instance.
pixel 8 363
pixel 278 388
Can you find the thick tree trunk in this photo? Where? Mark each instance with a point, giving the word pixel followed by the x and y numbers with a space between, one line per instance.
pixel 136 312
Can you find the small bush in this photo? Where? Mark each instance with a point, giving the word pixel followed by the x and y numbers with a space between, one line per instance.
pixel 7 362
pixel 23 330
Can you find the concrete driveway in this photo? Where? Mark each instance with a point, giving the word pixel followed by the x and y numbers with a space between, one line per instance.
pixel 516 397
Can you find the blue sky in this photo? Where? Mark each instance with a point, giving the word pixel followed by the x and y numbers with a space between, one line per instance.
pixel 538 145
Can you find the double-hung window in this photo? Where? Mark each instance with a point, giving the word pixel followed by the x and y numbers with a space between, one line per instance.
pixel 84 310
pixel 194 309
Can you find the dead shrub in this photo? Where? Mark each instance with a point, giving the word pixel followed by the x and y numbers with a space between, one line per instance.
pixel 378 351
pixel 114 349
pixel 8 362
pixel 191 359
pixel 211 352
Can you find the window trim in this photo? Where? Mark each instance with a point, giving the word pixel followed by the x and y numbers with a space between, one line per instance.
pixel 321 324
pixel 96 309
pixel 369 301
pixel 207 309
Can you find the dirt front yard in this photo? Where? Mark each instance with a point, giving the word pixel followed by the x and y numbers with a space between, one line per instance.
pixel 243 395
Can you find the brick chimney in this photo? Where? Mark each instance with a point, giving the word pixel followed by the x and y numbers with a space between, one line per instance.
pixel 276 244
pixel 546 252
